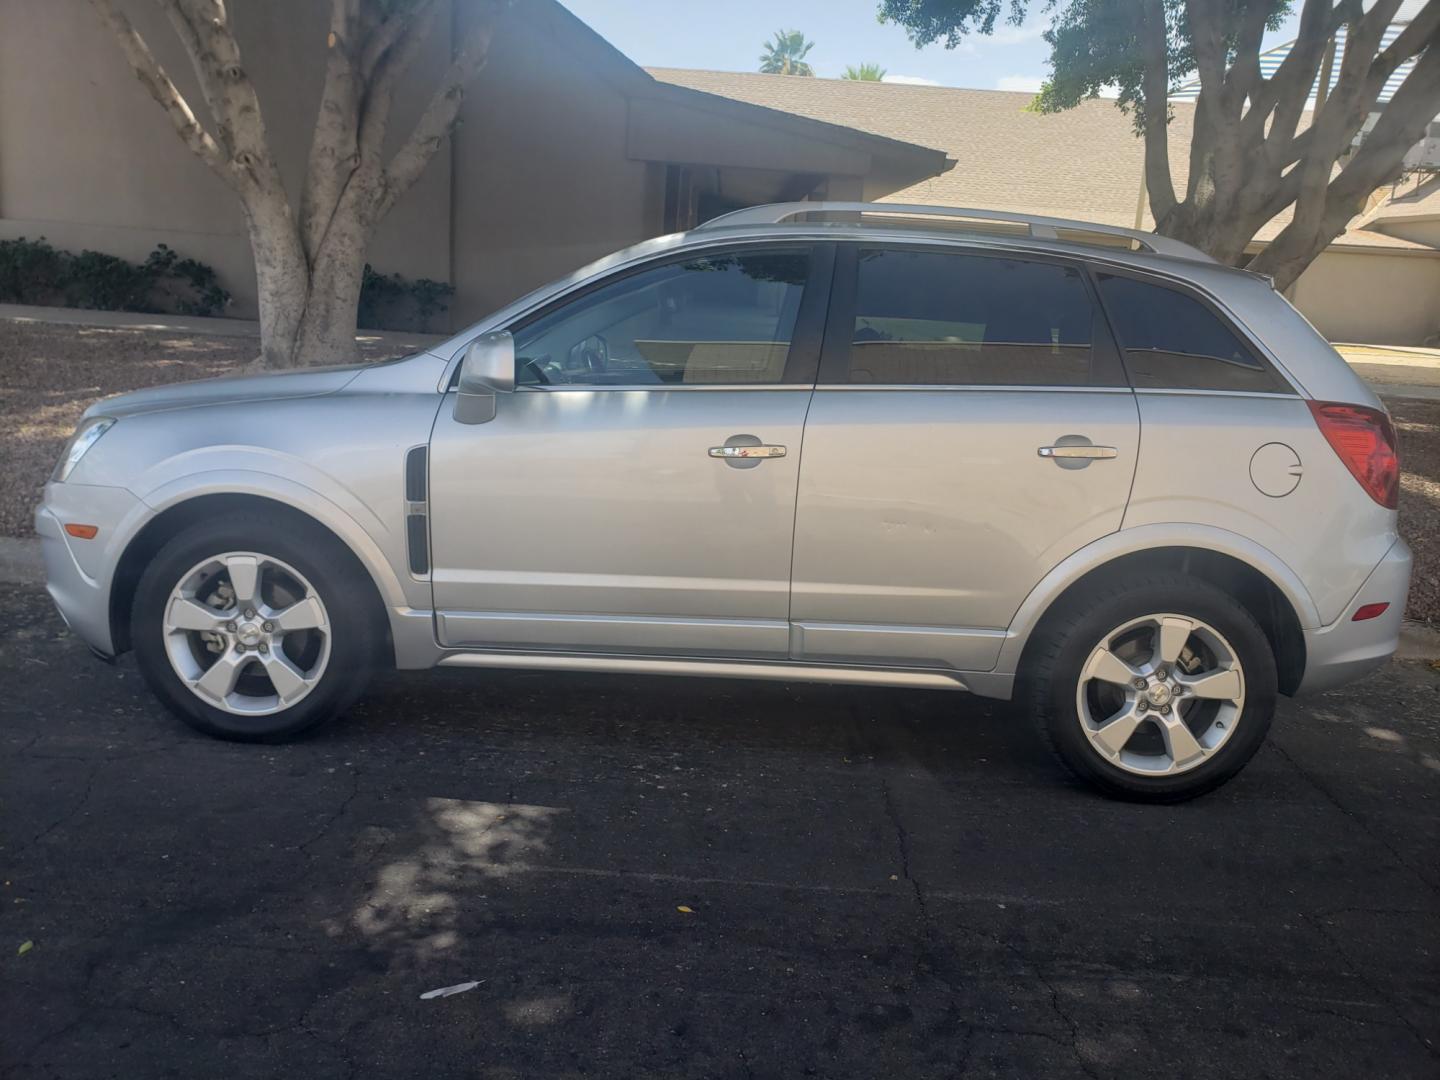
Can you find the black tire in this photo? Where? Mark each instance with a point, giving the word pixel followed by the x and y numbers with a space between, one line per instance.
pixel 1064 643
pixel 355 636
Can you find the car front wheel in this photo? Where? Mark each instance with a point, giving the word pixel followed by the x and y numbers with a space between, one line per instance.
pixel 250 631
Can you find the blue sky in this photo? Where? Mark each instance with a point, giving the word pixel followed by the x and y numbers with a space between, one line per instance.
pixel 728 36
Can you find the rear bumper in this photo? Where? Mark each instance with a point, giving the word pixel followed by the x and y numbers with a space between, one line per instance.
pixel 1346 650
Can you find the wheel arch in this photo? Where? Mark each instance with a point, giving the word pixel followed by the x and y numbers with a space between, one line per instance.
pixel 1264 586
pixel 179 515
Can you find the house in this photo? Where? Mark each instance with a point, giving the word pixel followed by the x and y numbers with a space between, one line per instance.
pixel 1378 282
pixel 565 149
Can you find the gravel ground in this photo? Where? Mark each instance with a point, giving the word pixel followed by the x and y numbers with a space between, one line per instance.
pixel 1417 424
pixel 50 374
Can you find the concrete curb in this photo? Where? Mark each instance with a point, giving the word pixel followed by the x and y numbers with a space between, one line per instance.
pixel 20 564
pixel 186 324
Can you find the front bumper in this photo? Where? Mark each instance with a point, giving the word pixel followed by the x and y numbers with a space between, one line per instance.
pixel 1345 650
pixel 78 573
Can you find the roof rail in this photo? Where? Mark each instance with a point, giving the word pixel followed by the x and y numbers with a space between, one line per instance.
pixel 1041 228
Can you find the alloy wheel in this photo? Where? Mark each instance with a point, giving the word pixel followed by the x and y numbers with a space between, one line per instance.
pixel 247 633
pixel 1160 695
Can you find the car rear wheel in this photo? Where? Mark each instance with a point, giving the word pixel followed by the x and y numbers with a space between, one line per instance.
pixel 250 631
pixel 1159 689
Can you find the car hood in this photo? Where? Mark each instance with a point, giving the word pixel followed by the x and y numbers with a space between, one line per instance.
pixel 229 389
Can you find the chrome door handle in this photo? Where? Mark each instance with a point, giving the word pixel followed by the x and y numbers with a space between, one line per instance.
pixel 1080 451
pixel 747 451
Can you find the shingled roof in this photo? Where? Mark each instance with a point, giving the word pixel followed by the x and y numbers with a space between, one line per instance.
pixel 1085 162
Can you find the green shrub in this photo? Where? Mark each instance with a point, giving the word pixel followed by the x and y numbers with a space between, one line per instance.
pixel 393 302
pixel 33 272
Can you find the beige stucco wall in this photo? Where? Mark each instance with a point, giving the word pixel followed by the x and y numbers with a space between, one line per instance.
pixel 542 184
pixel 1383 299
pixel 87 159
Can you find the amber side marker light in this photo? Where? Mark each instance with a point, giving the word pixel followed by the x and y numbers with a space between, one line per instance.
pixel 1368 611
pixel 82 532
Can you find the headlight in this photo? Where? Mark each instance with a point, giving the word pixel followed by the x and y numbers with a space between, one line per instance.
pixel 86 435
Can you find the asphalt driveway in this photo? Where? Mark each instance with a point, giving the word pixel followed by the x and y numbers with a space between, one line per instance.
pixel 684 878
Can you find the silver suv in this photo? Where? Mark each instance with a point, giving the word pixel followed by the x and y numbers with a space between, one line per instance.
pixel 841 442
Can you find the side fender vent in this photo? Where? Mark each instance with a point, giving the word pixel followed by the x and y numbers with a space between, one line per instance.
pixel 415 469
pixel 417 529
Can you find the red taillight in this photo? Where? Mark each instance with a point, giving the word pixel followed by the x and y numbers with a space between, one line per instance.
pixel 1365 442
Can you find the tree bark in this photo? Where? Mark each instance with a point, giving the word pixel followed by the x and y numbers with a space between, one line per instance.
pixel 309 268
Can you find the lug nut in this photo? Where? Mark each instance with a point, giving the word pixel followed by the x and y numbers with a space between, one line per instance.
pixel 249 613
pixel 1165 710
pixel 269 626
pixel 1139 684
pixel 1161 674
pixel 230 626
pixel 1142 705
pixel 263 647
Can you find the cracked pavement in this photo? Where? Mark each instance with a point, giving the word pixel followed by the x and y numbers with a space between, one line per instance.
pixel 879 883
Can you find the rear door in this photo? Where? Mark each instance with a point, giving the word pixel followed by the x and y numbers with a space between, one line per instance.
pixel 972 427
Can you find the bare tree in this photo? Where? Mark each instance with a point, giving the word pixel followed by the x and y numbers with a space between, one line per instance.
pixel 1250 158
pixel 309 266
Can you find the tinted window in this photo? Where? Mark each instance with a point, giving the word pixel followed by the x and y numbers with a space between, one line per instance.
pixel 715 319
pixel 1174 341
pixel 931 318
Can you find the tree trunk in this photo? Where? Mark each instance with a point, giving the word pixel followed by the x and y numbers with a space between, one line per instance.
pixel 282 280
pixel 309 272
pixel 327 330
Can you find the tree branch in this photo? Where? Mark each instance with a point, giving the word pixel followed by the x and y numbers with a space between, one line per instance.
pixel 334 152
pixel 215 54
pixel 153 77
pixel 439 116
pixel 384 36
pixel 1379 160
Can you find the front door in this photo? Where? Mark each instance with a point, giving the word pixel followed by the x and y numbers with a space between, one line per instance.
pixel 971 428
pixel 636 493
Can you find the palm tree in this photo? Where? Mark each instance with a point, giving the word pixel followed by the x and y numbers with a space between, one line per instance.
pixel 865 73
pixel 786 54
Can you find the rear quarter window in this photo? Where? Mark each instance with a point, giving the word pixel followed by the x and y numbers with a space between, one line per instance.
pixel 1172 341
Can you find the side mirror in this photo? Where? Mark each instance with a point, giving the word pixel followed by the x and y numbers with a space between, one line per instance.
pixel 487 369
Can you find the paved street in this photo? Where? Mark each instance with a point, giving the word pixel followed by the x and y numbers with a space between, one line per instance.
pixel 684 878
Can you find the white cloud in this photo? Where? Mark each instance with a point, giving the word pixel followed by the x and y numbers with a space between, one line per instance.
pixel 1006 34
pixel 1028 83
pixel 910 80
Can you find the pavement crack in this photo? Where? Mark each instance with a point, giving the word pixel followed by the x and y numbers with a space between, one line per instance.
pixel 1359 821
pixel 339 812
pixel 65 818
pixel 1375 988
pixel 902 838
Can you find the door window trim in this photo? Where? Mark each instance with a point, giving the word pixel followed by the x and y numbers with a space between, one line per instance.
pixel 802 361
pixel 1210 304
pixel 1107 369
